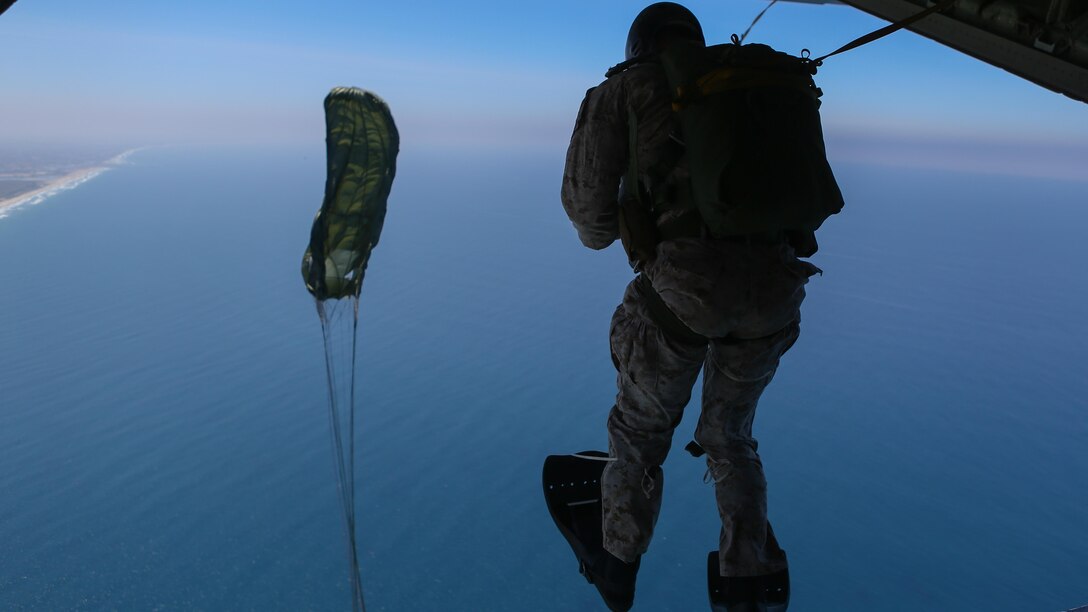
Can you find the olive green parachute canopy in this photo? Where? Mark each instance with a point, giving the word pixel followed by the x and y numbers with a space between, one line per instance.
pixel 362 143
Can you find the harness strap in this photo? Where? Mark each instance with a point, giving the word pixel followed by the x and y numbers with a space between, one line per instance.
pixel 665 318
pixel 632 154
pixel 686 223
pixel 636 222
pixel 731 78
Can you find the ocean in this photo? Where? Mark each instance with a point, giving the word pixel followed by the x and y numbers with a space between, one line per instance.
pixel 164 438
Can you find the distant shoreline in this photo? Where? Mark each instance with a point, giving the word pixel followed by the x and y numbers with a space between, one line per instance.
pixel 66 182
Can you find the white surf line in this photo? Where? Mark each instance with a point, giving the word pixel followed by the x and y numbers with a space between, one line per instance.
pixel 123 157
pixel 61 184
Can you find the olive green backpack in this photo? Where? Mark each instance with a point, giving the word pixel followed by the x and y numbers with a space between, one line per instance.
pixel 749 120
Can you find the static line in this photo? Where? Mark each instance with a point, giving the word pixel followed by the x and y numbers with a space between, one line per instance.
pixel 755 21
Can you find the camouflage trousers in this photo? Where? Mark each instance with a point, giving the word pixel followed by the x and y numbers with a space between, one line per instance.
pixel 656 374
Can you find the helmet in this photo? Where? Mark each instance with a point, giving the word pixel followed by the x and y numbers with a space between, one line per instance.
pixel 655 19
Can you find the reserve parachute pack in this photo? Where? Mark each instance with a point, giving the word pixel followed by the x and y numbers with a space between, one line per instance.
pixel 748 117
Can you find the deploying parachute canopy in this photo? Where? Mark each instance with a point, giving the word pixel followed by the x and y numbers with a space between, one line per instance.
pixel 362 144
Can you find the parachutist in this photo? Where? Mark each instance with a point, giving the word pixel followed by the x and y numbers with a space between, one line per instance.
pixel 714 228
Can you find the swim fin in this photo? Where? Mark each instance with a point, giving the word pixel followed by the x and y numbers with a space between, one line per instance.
pixel 572 490
pixel 769 593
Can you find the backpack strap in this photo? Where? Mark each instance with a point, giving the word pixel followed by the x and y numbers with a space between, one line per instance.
pixel 631 181
pixel 678 216
pixel 624 65
pixel 638 230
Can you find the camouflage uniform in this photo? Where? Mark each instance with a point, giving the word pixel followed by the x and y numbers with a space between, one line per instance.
pixel 743 295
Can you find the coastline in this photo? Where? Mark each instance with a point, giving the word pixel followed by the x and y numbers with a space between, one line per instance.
pixel 60 184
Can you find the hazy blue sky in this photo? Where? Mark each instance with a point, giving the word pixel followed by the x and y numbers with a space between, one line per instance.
pixel 477 73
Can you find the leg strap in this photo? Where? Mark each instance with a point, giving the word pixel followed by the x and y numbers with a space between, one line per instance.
pixel 665 318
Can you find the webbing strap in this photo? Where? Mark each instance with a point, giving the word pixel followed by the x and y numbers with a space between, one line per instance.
pixel 882 32
pixel 631 182
pixel 730 78
pixel 724 79
pixel 740 41
pixel 637 227
pixel 663 316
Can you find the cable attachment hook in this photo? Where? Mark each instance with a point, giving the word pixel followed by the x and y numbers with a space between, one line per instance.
pixel 806 59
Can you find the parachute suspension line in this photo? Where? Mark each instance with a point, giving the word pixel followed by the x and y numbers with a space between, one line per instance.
pixel 740 41
pixel 344 462
pixel 361 143
pixel 357 580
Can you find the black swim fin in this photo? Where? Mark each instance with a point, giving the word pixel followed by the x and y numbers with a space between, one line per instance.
pixel 769 593
pixel 572 490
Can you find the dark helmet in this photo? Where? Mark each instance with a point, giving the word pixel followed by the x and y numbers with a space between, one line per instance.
pixel 657 18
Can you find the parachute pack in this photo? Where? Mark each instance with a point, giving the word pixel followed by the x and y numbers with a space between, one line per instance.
pixel 748 118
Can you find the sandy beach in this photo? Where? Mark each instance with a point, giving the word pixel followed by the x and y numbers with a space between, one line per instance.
pixel 68 181
pixel 62 183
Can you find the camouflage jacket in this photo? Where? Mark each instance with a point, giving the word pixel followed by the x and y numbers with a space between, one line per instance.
pixel 716 287
pixel 599 148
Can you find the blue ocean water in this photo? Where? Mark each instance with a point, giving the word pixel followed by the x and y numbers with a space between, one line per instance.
pixel 164 440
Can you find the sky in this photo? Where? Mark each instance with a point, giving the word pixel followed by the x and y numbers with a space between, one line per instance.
pixel 481 74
